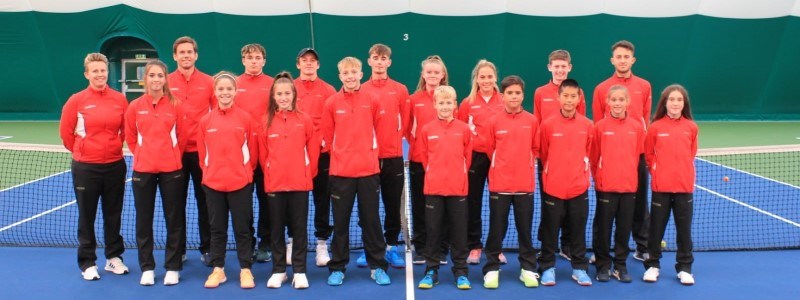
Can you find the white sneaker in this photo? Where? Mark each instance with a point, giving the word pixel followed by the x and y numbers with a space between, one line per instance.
pixel 289 252
pixel 90 273
pixel 172 278
pixel 322 253
pixel 116 266
pixel 276 280
pixel 300 281
pixel 148 278
pixel 651 275
pixel 686 278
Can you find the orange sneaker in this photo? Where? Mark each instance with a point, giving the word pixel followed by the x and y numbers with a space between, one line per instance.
pixel 216 278
pixel 246 279
pixel 474 257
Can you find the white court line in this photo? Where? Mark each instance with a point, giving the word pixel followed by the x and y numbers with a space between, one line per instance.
pixel 409 275
pixel 32 181
pixel 5 137
pixel 790 222
pixel 49 211
pixel 748 173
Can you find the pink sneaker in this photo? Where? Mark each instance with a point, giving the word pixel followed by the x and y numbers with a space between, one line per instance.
pixel 474 257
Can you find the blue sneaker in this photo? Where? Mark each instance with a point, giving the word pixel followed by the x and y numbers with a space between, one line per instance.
pixel 549 277
pixel 395 258
pixel 431 279
pixel 462 283
pixel 336 278
pixel 380 277
pixel 581 277
pixel 361 262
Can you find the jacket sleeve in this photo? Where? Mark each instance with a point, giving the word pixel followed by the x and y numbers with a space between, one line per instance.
pixel 582 104
pixel 594 155
pixel 598 104
pixel 312 144
pixel 402 97
pixel 463 111
pixel 124 102
pixel 537 105
pixel 589 143
pixel 535 137
pixel 649 147
pixel 648 104
pixel 130 128
pixel 328 123
pixel 69 119
pixel 201 142
pixel 468 148
pixel 543 143
pixel 252 142
pixel 263 150
pixel 423 147
pixel 180 127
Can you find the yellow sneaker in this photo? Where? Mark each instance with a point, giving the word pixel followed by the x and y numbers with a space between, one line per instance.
pixel 246 279
pixel 216 277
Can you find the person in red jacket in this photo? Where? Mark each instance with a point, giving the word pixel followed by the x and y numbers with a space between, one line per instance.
pixel 420 112
pixel 512 140
pixel 618 140
pixel 446 147
pixel 565 144
pixel 92 128
pixel 312 92
pixel 349 121
pixel 546 105
pixel 639 92
pixel 477 109
pixel 227 142
pixel 670 147
pixel 253 97
pixel 154 127
pixel 195 91
pixel 288 150
pixel 390 129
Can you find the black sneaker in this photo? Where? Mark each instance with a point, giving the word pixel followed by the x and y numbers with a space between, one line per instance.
pixel 641 256
pixel 418 259
pixel 622 276
pixel 604 276
pixel 205 258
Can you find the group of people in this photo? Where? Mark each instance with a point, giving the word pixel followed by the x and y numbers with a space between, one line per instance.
pixel 230 135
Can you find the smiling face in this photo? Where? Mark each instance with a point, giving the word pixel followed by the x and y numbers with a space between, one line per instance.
pixel 350 77
pixel 433 74
pixel 623 60
pixel 254 62
pixel 618 102
pixel 284 96
pixel 308 64
pixel 444 106
pixel 675 104
pixel 97 74
pixel 225 91
pixel 512 98
pixel 486 80
pixel 154 80
pixel 380 64
pixel 568 98
pixel 560 69
pixel 185 56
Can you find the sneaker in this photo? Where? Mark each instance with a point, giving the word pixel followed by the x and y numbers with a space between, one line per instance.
pixel 90 273
pixel 417 259
pixel 277 279
pixel 603 275
pixel 641 256
pixel 205 258
pixel 529 278
pixel 564 254
pixel 336 278
pixel 289 253
pixel 361 262
pixel 622 276
pixel 474 257
pixel 395 257
pixel 430 279
pixel 263 255
pixel 216 278
pixel 300 281
pixel 549 277
pixel 172 278
pixel 462 283
pixel 148 278
pixel 116 266
pixel 246 280
pixel 380 277
pixel 581 277
pixel 491 280
pixel 686 278
pixel 651 275
pixel 592 259
pixel 322 255
pixel 503 259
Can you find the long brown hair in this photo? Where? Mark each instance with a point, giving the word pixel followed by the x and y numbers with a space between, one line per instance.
pixel 433 59
pixel 661 108
pixel 282 77
pixel 165 89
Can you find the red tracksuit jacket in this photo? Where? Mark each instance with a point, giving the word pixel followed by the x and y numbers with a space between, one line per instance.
pixel 446 155
pixel 670 147
pixel 311 96
pixel 289 152
pixel 155 135
pixel 253 94
pixel 227 148
pixel 640 94
pixel 512 138
pixel 565 147
pixel 545 102
pixel 391 127
pixel 197 96
pixel 479 113
pixel 92 125
pixel 421 112
pixel 615 154
pixel 349 120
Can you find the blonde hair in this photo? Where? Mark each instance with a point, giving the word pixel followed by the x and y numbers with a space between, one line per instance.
pixel 617 87
pixel 444 91
pixel 433 59
pixel 93 57
pixel 349 62
pixel 481 64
